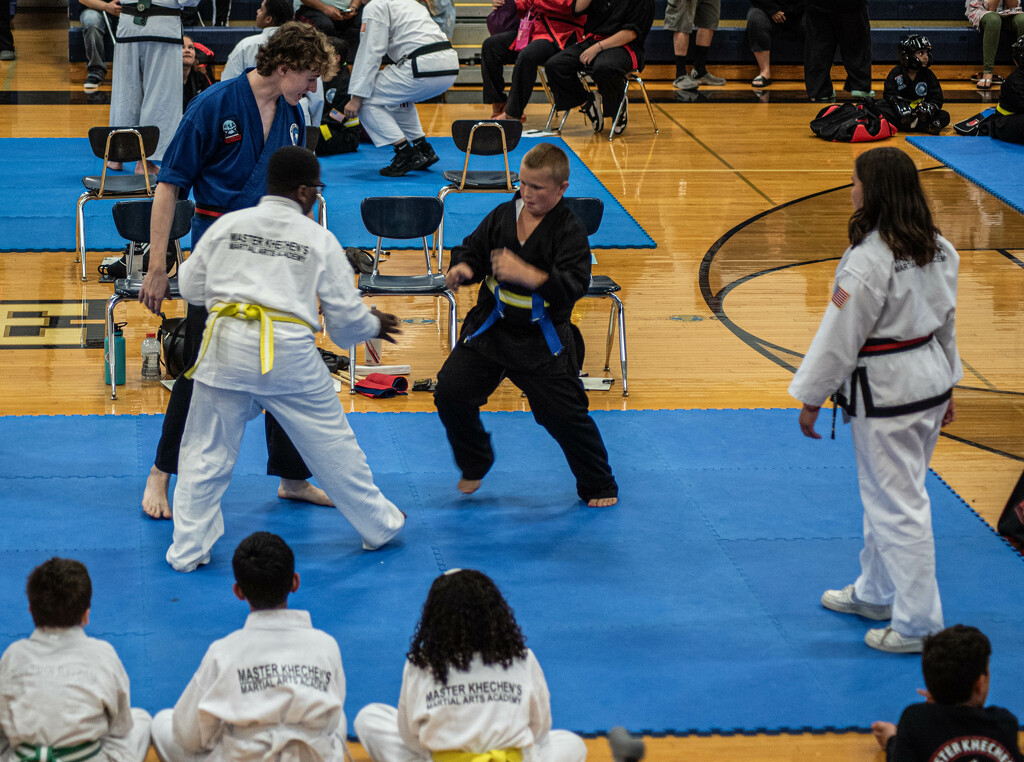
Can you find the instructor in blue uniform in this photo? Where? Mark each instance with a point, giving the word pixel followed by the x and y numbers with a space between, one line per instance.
pixel 220 152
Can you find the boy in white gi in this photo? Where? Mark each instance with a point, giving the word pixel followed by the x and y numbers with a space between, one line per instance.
pixel 425 65
pixel 274 689
pixel 887 342
pixel 264 274
pixel 64 695
pixel 471 689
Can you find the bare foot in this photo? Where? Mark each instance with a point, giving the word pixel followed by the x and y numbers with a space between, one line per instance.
pixel 602 502
pixel 882 732
pixel 469 486
pixel 153 168
pixel 300 489
pixel 115 165
pixel 154 499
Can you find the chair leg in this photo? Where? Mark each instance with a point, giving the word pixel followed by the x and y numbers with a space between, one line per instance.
pixel 112 302
pixel 608 339
pixel 321 215
pixel 622 110
pixel 439 249
pixel 650 108
pixel 453 318
pixel 80 229
pixel 622 342
pixel 352 369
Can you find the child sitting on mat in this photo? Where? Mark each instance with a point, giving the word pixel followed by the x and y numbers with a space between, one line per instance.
pixel 913 96
pixel 954 722
pixel 272 690
pixel 1005 121
pixel 470 688
pixel 62 693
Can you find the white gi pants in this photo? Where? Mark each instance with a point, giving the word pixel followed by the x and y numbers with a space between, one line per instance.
pixel 376 725
pixel 169 750
pixel 898 560
pixel 314 421
pixel 131 748
pixel 147 87
pixel 389 114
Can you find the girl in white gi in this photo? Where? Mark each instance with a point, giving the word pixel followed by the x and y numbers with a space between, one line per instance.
pixel 64 695
pixel 274 690
pixel 471 689
pixel 425 65
pixel 888 344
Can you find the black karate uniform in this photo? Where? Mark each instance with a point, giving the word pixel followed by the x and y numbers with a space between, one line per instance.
pixel 914 104
pixel 1009 126
pixel 985 734
pixel 516 348
pixel 609 68
pixel 836 23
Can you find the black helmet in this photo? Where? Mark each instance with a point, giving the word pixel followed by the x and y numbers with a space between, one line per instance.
pixel 1017 51
pixel 909 46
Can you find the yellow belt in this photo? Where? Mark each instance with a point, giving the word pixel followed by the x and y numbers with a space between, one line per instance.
pixel 239 311
pixel 516 300
pixel 494 755
pixel 1003 111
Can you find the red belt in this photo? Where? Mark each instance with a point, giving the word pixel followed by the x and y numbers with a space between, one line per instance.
pixel 885 346
pixel 210 211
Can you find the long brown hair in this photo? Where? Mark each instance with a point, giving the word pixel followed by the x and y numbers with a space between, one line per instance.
pixel 894 204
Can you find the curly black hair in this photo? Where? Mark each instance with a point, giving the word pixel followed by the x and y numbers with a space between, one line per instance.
pixel 465 614
pixel 59 593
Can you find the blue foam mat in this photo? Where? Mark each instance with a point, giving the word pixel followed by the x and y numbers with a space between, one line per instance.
pixel 691 606
pixel 984 161
pixel 40 194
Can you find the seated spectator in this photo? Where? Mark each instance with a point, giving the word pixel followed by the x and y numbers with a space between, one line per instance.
pixel 691 64
pixel 64 695
pixel 613 47
pixel 96 25
pixel 274 689
pixel 954 722
pixel 194 76
pixel 764 18
pixel 990 17
pixel 467 644
pixel 912 99
pixel 555 25
pixel 829 24
pixel 335 18
pixel 270 15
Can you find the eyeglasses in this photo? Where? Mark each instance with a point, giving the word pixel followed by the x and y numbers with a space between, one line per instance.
pixel 319 187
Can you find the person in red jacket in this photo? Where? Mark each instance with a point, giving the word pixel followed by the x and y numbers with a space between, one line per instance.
pixel 546 27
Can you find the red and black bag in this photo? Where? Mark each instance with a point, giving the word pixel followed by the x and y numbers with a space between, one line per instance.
pixel 858 122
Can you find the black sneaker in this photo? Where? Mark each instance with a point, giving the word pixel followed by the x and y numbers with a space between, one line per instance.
pixel 619 127
pixel 592 111
pixel 407 159
pixel 427 151
pixel 93 81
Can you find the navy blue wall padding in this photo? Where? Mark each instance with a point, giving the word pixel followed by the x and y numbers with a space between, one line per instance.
pixel 987 162
pixel 692 606
pixel 40 194
pixel 909 10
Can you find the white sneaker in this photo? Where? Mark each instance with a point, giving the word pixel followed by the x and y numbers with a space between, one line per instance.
pixel 686 82
pixel 707 79
pixel 845 602
pixel 887 639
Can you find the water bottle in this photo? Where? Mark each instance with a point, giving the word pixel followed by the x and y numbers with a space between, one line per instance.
pixel 118 356
pixel 151 358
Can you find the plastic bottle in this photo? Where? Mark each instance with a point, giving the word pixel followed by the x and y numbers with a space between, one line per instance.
pixel 151 358
pixel 118 357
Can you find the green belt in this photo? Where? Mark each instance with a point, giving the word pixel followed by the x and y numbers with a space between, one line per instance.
pixel 241 311
pixel 494 755
pixel 30 753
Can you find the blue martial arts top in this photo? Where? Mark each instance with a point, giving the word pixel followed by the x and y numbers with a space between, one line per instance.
pixel 218 151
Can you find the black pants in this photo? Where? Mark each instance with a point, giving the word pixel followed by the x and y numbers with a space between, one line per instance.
pixel 558 402
pixel 495 53
pixel 347 30
pixel 1009 128
pixel 6 38
pixel 608 70
pixel 850 31
pixel 760 28
pixel 282 458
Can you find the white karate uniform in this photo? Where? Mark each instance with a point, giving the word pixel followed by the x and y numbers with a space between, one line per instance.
pixel 898 400
pixel 147 87
pixel 390 95
pixel 243 57
pixel 273 690
pixel 61 688
pixel 273 256
pixel 487 707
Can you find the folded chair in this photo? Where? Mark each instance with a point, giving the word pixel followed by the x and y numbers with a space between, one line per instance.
pixel 404 218
pixel 132 221
pixel 589 211
pixel 123 144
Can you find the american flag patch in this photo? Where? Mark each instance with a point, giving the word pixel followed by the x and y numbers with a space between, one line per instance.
pixel 839 297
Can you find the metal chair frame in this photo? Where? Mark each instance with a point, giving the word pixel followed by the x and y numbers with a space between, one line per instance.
pixel 632 78
pixel 102 193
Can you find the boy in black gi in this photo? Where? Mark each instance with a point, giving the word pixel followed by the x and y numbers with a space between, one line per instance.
pixel 954 723
pixel 534 260
pixel 913 96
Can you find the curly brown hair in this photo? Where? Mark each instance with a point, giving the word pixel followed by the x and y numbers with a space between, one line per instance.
pixel 465 614
pixel 300 47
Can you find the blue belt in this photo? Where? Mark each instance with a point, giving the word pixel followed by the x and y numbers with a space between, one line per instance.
pixel 538 313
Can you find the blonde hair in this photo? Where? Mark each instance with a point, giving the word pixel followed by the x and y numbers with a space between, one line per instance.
pixel 550 157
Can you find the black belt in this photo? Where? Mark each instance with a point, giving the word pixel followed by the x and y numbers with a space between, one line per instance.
pixel 891 346
pixel 210 211
pixel 153 10
pixel 434 47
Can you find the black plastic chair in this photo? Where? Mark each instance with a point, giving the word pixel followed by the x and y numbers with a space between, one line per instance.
pixel 403 218
pixel 123 144
pixel 480 137
pixel 132 221
pixel 589 211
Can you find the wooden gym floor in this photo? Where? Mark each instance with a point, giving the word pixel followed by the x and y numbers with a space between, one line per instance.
pixel 696 187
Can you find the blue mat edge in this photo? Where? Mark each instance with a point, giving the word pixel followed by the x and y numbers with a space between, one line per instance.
pixel 920 144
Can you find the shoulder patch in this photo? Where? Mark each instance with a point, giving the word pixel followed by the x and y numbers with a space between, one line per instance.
pixel 839 296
